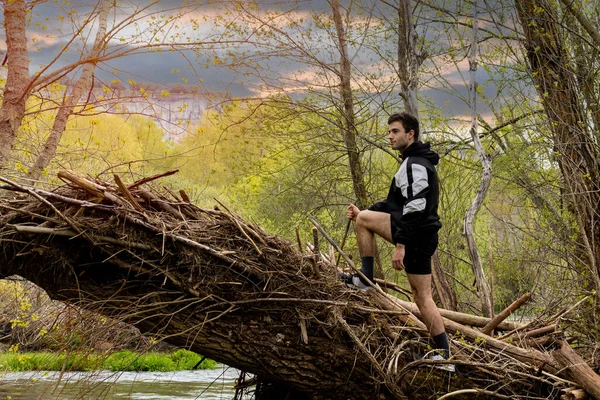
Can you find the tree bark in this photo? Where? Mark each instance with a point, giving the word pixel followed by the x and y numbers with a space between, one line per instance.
pixel 530 356
pixel 578 369
pixel 68 106
pixel 575 148
pixel 14 97
pixel 494 322
pixel 445 294
pixel 483 287
pixel 349 130
pixel 258 341
pixel 409 59
pixel 461 318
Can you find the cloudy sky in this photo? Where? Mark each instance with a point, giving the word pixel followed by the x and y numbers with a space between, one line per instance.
pixel 298 55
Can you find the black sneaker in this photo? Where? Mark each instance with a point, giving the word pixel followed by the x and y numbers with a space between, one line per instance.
pixel 353 281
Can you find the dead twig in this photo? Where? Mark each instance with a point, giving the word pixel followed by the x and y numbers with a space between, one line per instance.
pixel 151 178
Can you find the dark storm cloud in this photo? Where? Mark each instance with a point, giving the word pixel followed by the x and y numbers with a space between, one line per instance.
pixel 169 69
pixel 156 68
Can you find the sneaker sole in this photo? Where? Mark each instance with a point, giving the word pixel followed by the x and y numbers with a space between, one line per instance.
pixel 351 286
pixel 446 367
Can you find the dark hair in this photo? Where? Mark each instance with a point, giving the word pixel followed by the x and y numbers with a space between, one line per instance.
pixel 409 122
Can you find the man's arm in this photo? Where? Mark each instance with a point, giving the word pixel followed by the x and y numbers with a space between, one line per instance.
pixel 380 206
pixel 398 257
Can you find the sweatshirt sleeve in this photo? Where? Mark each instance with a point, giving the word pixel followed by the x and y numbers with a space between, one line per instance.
pixel 380 206
pixel 413 182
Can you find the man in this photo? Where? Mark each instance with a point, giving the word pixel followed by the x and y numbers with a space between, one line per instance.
pixel 408 218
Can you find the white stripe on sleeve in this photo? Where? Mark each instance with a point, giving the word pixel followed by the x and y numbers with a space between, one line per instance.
pixel 420 181
pixel 414 206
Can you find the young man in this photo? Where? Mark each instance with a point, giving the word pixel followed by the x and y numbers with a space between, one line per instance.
pixel 408 218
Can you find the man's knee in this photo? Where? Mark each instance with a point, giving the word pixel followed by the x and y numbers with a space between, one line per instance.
pixel 362 220
pixel 422 298
pixel 375 222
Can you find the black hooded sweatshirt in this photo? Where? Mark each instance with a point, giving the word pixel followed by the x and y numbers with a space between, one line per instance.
pixel 414 194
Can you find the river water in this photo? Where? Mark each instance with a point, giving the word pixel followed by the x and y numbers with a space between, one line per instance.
pixel 212 384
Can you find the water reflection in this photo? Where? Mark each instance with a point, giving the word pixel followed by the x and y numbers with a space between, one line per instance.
pixel 215 384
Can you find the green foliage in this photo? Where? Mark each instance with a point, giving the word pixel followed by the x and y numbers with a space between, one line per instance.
pixel 97 143
pixel 121 361
pixel 17 362
pixel 304 169
pixel 93 144
pixel 222 149
pixel 179 360
pixel 186 360
pixel 129 361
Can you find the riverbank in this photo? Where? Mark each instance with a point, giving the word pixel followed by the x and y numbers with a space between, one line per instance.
pixel 126 360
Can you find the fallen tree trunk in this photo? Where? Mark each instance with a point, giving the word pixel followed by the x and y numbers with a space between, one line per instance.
pixel 498 319
pixel 462 318
pixel 208 281
pixel 579 371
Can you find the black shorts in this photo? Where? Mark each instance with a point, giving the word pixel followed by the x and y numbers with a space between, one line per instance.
pixel 417 256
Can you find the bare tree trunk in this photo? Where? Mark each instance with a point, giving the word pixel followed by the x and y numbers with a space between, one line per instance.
pixel 574 145
pixel 349 124
pixel 409 59
pixel 483 287
pixel 349 130
pixel 13 103
pixel 445 294
pixel 585 58
pixel 583 20
pixel 66 109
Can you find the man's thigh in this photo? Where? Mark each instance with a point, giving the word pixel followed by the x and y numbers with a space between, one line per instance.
pixel 377 222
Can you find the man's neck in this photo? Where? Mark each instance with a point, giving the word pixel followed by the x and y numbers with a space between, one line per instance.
pixel 407 147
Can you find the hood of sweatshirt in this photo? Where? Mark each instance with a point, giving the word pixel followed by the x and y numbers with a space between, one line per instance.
pixel 421 149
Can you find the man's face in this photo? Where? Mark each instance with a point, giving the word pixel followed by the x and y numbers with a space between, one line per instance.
pixel 399 139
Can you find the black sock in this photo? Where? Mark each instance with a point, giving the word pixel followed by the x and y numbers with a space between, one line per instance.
pixel 368 264
pixel 441 342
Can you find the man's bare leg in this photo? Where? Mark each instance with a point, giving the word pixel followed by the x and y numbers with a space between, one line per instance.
pixel 421 288
pixel 369 223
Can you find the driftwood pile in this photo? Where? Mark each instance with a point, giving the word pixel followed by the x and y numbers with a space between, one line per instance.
pixel 207 280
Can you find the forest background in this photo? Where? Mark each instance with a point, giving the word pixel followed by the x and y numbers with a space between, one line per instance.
pixel 294 99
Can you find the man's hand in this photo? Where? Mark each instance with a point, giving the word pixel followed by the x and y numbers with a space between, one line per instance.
pixel 398 257
pixel 352 212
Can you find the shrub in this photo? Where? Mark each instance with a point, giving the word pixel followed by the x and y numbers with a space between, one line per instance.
pixel 186 360
pixel 48 362
pixel 120 361
pixel 155 362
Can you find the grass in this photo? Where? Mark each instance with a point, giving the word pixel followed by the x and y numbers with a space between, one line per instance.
pixel 120 361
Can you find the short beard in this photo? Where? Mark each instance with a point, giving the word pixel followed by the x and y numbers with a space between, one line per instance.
pixel 400 149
